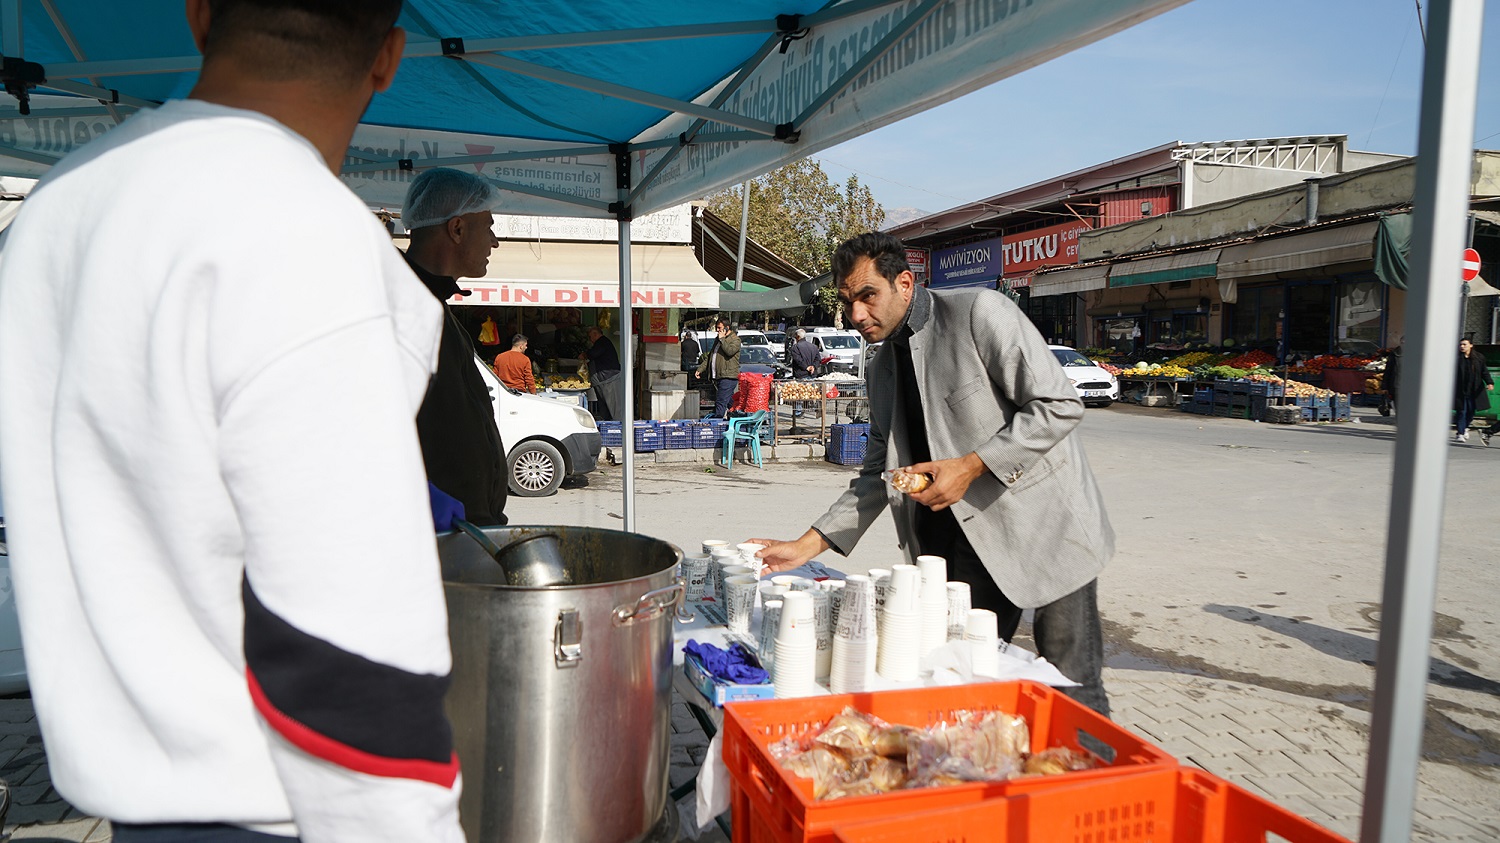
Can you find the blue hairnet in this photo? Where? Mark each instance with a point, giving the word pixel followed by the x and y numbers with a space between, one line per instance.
pixel 440 194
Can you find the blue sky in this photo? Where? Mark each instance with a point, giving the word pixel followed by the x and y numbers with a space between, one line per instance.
pixel 1208 70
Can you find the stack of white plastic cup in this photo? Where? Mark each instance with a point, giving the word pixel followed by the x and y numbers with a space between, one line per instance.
pixel 770 624
pixel 982 633
pixel 796 661
pixel 881 578
pixel 855 640
pixel 720 557
pixel 710 545
pixel 835 589
pixel 823 616
pixel 901 625
pixel 934 601
pixel 958 610
pixel 695 575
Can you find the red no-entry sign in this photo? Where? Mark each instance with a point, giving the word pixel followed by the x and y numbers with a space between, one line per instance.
pixel 1471 264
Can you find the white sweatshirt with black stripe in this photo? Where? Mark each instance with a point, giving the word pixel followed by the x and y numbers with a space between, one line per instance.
pixel 211 358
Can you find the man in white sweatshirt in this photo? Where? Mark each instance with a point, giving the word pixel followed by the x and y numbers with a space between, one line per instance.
pixel 218 519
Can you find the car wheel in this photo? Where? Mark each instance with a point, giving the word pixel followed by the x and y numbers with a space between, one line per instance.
pixel 536 469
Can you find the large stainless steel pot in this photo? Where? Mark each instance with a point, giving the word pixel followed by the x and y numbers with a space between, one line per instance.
pixel 561 696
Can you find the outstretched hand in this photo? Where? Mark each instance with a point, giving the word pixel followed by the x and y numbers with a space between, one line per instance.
pixel 782 555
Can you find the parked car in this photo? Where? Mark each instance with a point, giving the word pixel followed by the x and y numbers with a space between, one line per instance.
pixel 779 342
pixel 547 440
pixel 755 339
pixel 756 359
pixel 841 350
pixel 1095 385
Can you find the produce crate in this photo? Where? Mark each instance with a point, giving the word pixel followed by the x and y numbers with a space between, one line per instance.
pixel 610 435
pixel 1317 414
pixel 1342 400
pixel 1204 394
pixel 676 437
pixel 846 443
pixel 1265 389
pixel 1366 399
pixel 1321 401
pixel 1167 806
pixel 1239 412
pixel 770 805
pixel 1342 413
pixel 706 435
pixel 1231 387
pixel 1202 408
pixel 648 437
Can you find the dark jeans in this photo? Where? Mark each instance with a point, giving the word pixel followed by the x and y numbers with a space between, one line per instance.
pixel 1465 412
pixel 192 833
pixel 723 394
pixel 1067 630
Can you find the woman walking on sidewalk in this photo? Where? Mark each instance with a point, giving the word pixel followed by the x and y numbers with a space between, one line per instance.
pixel 1473 382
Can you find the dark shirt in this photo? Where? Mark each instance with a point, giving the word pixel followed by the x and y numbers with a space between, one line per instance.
pixel 804 355
pixel 937 532
pixel 461 445
pixel 602 357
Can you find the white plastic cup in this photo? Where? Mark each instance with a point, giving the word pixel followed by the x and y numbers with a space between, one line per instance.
pixel 881 577
pixel 835 589
pixel 710 545
pixel 798 618
pixel 695 575
pixel 740 593
pixel 958 609
pixel 770 622
pixel 904 592
pixel 934 578
pixel 823 622
pixel 748 550
pixel 982 625
pixel 785 580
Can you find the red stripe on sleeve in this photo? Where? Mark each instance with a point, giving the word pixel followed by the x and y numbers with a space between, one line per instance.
pixel 321 746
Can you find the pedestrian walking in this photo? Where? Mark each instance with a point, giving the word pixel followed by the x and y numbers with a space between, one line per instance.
pixel 1469 395
pixel 965 390
pixel 604 373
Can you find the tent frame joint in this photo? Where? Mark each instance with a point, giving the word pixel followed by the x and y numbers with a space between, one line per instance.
pixel 787 133
pixel 621 211
pixel 790 28
pixel 406 165
pixel 20 77
pixel 453 46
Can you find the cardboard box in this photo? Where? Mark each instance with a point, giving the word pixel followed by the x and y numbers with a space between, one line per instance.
pixel 719 691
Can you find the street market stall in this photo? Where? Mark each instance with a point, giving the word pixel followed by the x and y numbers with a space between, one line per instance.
pixel 701 96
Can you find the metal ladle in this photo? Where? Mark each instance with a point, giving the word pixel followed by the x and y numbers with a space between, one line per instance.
pixel 533 560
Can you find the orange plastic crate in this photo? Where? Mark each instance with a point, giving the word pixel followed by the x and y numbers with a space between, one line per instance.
pixel 1156 806
pixel 770 805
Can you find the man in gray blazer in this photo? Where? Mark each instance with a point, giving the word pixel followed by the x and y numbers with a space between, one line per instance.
pixel 965 389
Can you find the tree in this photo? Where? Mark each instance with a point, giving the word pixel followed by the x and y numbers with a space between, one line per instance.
pixel 801 215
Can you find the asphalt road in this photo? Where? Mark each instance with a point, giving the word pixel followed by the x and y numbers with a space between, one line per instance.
pixel 1246 552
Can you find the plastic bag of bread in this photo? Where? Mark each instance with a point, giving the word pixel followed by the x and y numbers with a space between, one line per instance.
pixel 979 747
pixel 827 769
pixel 850 731
pixel 1058 759
pixel 907 482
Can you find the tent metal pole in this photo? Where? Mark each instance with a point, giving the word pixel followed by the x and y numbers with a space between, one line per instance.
pixel 392 162
pixel 912 20
pixel 67 35
pixel 1445 160
pixel 10 21
pixel 561 40
pixel 627 374
pixel 739 261
pixel 620 92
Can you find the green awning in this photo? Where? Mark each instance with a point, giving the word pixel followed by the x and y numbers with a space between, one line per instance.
pixel 1392 248
pixel 745 287
pixel 1183 266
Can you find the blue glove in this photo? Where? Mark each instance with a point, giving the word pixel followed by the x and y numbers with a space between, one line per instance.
pixel 445 508
pixel 735 665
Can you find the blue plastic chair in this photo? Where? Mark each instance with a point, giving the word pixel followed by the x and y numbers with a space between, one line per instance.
pixel 747 430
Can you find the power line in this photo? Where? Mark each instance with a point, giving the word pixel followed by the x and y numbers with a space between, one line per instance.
pixel 1395 65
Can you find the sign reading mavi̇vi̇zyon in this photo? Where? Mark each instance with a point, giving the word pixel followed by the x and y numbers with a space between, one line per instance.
pixel 968 265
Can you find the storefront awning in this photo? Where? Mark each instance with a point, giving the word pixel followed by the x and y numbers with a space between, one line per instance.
pixel 1080 280
pixel 1183 266
pixel 1298 252
pixel 550 274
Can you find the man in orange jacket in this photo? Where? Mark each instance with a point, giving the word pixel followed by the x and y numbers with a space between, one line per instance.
pixel 513 367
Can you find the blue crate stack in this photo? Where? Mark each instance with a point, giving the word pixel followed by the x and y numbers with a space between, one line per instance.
pixel 648 437
pixel 709 433
pixel 675 436
pixel 610 435
pixel 847 443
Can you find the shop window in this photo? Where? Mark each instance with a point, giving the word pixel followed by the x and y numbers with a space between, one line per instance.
pixel 1361 317
pixel 1179 328
pixel 1121 333
pixel 1253 320
pixel 1309 320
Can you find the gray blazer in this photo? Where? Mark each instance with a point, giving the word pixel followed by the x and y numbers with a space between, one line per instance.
pixel 989 385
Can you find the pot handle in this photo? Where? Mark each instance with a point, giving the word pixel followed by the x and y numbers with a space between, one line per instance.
pixel 567 639
pixel 652 605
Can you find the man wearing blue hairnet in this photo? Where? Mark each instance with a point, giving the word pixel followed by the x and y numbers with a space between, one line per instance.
pixel 449 214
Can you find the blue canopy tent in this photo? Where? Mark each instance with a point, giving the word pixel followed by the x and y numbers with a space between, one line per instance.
pixel 615 110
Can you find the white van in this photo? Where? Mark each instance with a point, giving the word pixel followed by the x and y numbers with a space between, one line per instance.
pixel 547 440
pixel 840 349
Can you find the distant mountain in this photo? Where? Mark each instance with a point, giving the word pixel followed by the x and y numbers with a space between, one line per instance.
pixel 899 216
